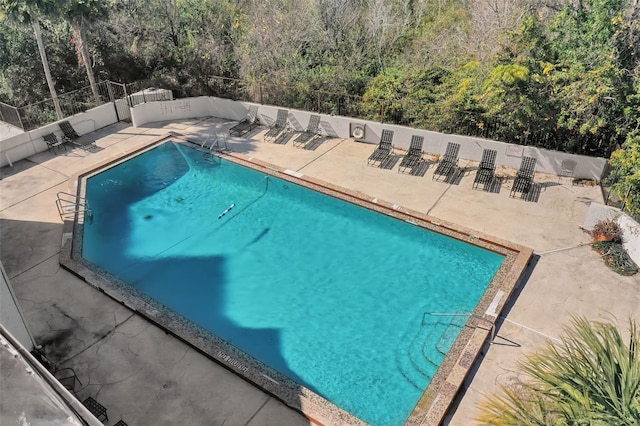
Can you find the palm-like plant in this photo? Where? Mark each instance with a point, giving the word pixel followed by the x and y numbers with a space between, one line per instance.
pixel 591 378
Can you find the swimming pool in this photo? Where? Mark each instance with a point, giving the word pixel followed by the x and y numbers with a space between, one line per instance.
pixel 320 290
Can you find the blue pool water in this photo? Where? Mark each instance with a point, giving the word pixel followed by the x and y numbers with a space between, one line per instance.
pixel 330 294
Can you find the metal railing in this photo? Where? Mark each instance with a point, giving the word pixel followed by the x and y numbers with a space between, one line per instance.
pixel 40 113
pixel 542 133
pixel 69 205
pixel 466 314
pixel 422 115
pixel 297 97
pixel 9 114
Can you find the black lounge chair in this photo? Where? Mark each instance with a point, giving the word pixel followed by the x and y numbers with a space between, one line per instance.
pixel 413 156
pixel 384 149
pixel 53 142
pixel 279 128
pixel 448 163
pixel 67 378
pixel 249 123
pixel 524 179
pixel 309 134
pixel 486 173
pixel 70 136
pixel 97 409
pixel 69 132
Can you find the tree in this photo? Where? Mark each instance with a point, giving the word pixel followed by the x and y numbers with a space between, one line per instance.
pixel 518 92
pixel 591 378
pixel 79 13
pixel 28 12
pixel 625 177
pixel 588 79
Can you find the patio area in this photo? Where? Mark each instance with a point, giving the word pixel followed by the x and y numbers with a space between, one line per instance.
pixel 145 376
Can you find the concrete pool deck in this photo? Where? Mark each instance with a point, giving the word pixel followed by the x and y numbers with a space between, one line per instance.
pixel 145 376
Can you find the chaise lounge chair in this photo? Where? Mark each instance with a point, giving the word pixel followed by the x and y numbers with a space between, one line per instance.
pixel 97 409
pixel 486 173
pixel 311 132
pixel 69 132
pixel 413 157
pixel 70 136
pixel 67 378
pixel 524 179
pixel 53 142
pixel 249 123
pixel 279 129
pixel 448 163
pixel 384 149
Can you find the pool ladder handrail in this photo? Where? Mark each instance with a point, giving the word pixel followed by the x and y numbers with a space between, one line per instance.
pixel 465 314
pixel 70 204
pixel 215 142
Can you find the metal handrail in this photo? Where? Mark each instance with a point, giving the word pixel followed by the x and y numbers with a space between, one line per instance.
pixel 65 199
pixel 465 314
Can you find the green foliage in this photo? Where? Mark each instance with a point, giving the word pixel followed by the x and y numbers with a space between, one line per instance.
pixel 625 176
pixel 591 378
pixel 616 257
pixel 385 94
pixel 564 78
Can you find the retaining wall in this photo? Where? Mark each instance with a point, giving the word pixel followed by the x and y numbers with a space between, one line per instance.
pixel 509 155
pixel 29 143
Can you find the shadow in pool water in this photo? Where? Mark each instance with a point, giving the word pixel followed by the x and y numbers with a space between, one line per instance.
pixel 196 288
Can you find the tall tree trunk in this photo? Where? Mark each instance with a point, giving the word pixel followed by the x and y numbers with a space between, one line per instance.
pixel 45 65
pixel 83 51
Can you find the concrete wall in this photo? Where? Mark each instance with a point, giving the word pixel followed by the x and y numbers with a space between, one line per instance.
pixel 8 131
pixel 11 315
pixel 26 144
pixel 178 109
pixel 630 228
pixel 434 143
pixel 29 143
pixel 470 148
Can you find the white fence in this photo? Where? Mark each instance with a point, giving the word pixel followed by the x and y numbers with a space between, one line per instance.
pixel 434 143
pixel 29 143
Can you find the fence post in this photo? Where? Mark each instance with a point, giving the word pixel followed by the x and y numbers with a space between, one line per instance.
pixel 110 91
pixel 113 99
pixel 626 197
pixel 126 96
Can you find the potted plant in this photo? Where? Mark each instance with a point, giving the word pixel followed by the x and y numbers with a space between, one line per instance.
pixel 607 230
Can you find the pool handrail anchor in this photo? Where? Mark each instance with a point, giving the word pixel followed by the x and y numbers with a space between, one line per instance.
pixel 465 314
pixel 70 204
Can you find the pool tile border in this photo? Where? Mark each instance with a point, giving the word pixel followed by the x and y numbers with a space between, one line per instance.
pixel 439 395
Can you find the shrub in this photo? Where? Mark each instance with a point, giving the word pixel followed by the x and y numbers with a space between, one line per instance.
pixel 607 230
